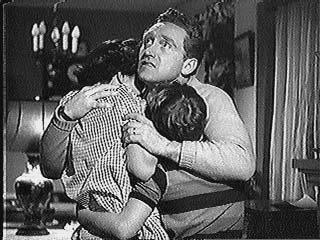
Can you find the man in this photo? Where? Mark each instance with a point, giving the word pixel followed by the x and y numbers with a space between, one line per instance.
pixel 201 195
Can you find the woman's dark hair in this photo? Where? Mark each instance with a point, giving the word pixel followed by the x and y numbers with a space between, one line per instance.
pixel 177 112
pixel 110 57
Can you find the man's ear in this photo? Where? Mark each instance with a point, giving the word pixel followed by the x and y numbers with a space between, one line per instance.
pixel 189 66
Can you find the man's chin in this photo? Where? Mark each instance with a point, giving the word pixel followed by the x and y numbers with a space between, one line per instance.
pixel 147 78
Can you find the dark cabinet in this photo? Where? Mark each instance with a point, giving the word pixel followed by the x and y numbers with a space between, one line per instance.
pixel 270 220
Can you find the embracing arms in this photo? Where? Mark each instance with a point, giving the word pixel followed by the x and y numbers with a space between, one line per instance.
pixel 140 162
pixel 123 225
pixel 225 154
pixel 55 140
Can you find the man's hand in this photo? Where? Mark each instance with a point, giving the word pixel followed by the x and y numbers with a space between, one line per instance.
pixel 141 130
pixel 86 100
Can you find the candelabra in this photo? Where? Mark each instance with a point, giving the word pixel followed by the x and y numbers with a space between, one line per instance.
pixel 55 61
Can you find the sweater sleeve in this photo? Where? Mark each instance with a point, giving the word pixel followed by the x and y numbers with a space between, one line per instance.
pixel 54 144
pixel 226 153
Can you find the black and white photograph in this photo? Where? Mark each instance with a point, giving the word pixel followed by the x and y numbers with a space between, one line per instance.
pixel 161 120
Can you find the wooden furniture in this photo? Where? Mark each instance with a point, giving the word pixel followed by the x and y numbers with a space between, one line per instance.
pixel 311 168
pixel 275 219
pixel 54 234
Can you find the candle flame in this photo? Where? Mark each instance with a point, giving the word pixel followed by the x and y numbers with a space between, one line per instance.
pixel 65 28
pixel 35 30
pixel 75 32
pixel 42 28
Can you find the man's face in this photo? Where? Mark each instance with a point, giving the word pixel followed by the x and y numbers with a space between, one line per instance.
pixel 162 54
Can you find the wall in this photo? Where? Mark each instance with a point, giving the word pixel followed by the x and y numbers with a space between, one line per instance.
pixel 24 82
pixel 245 98
pixel 255 103
pixel 191 8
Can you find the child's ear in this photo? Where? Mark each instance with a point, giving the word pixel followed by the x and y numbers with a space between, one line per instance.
pixel 189 66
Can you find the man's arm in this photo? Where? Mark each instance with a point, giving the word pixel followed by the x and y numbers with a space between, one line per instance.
pixel 226 153
pixel 53 146
pixel 54 142
pixel 124 225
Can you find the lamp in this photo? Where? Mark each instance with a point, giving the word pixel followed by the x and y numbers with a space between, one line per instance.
pixel 54 61
pixel 26 121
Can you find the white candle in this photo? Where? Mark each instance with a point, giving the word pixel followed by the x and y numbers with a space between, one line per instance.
pixel 75 35
pixel 35 33
pixel 55 36
pixel 42 31
pixel 65 32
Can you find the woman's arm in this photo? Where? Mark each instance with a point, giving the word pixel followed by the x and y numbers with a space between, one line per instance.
pixel 124 225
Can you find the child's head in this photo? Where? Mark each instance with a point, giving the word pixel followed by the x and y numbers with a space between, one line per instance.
pixel 109 58
pixel 177 112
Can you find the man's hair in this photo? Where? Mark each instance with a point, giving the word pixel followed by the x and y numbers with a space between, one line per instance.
pixel 177 112
pixel 193 44
pixel 110 57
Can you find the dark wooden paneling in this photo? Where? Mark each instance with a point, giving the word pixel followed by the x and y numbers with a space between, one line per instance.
pixel 265 85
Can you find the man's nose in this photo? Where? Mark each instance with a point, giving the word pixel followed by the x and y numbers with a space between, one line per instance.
pixel 151 50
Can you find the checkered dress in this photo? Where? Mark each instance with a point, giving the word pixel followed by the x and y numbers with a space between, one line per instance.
pixel 101 181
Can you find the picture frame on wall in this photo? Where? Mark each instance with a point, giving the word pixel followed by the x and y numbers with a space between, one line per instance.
pixel 244 60
pixel 217 22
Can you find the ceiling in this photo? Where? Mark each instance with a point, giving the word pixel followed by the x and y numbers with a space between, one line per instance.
pixel 114 5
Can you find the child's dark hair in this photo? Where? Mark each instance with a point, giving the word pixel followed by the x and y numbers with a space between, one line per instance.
pixel 110 57
pixel 177 112
pixel 193 44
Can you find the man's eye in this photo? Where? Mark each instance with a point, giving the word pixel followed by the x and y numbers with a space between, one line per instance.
pixel 165 44
pixel 148 42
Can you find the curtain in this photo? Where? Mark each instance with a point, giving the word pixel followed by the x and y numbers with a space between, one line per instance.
pixel 296 121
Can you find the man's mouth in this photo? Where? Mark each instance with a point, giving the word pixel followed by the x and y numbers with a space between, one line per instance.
pixel 147 63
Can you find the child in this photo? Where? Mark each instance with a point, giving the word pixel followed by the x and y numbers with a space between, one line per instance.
pixel 96 175
pixel 179 113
